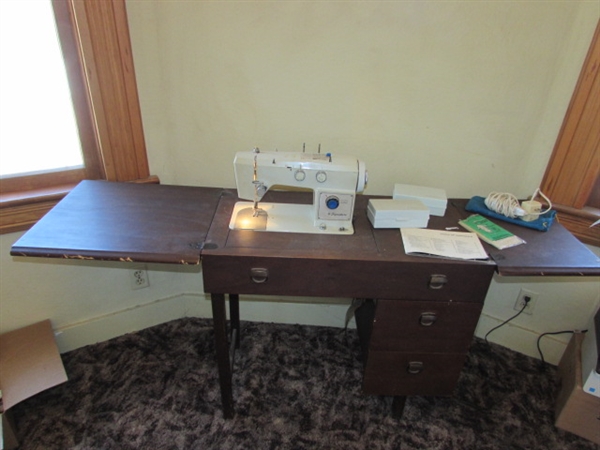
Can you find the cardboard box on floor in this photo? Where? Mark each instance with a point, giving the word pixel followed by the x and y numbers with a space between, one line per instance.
pixel 576 411
pixel 29 364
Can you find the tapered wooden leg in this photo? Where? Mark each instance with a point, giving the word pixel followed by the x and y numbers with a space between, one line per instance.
pixel 234 317
pixel 398 405
pixel 364 316
pixel 222 349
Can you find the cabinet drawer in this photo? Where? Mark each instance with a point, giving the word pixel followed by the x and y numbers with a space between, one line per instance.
pixel 424 326
pixel 395 373
pixel 437 281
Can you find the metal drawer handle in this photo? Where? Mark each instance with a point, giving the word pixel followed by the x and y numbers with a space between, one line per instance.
pixel 259 274
pixel 415 367
pixel 437 281
pixel 427 319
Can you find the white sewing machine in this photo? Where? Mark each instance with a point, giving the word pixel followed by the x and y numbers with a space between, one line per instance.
pixel 334 179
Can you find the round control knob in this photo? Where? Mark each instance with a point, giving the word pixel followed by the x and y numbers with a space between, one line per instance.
pixel 332 202
pixel 321 176
pixel 300 175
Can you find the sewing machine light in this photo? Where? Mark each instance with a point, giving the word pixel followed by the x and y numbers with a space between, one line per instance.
pixel 251 219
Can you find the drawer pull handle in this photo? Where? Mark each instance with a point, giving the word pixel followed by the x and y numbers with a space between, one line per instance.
pixel 415 367
pixel 259 274
pixel 427 319
pixel 437 281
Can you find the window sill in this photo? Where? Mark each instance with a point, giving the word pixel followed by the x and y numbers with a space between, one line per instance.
pixel 578 222
pixel 21 210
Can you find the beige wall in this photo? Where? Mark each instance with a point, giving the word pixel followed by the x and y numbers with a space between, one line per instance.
pixel 466 96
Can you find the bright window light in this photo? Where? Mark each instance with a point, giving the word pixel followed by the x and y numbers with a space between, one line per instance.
pixel 38 132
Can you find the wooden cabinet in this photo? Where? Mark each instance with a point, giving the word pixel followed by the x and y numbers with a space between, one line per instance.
pixel 424 310
pixel 416 331
pixel 418 347
pixel 314 275
pixel 433 327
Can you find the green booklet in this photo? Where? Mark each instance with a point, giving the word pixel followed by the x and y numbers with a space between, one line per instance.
pixel 491 233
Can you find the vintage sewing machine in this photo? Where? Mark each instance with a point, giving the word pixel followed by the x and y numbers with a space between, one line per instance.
pixel 334 179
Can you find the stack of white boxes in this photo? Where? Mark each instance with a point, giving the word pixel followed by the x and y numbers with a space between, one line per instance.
pixel 410 207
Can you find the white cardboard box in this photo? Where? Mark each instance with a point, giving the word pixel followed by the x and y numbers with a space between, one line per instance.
pixel 390 213
pixel 434 198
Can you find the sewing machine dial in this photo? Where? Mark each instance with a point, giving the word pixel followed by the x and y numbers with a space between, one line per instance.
pixel 332 202
pixel 335 206
pixel 300 175
pixel 321 176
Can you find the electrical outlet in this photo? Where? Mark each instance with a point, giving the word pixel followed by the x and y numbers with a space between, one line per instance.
pixel 523 294
pixel 139 278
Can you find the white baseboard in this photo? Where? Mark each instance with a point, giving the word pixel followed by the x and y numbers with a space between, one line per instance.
pixel 522 340
pixel 108 326
pixel 279 310
pixel 323 313
pixel 317 312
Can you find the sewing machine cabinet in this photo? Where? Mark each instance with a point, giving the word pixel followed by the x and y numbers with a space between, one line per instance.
pixel 426 309
pixel 418 314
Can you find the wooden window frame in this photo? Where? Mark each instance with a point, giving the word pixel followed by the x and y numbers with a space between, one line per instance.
pixel 572 173
pixel 94 35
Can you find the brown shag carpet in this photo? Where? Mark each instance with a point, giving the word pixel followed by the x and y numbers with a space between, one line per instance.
pixel 295 387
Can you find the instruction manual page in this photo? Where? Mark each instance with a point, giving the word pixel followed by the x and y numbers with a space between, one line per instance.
pixel 448 244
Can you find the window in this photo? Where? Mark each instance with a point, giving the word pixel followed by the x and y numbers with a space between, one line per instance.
pixel 28 98
pixel 95 42
pixel 572 176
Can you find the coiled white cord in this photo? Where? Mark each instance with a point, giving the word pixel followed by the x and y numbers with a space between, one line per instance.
pixel 505 204
pixel 508 205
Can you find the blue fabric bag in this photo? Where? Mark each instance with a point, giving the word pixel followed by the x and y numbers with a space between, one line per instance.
pixel 542 223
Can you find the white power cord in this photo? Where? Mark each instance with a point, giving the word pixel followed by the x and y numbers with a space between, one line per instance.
pixel 508 205
pixel 505 204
